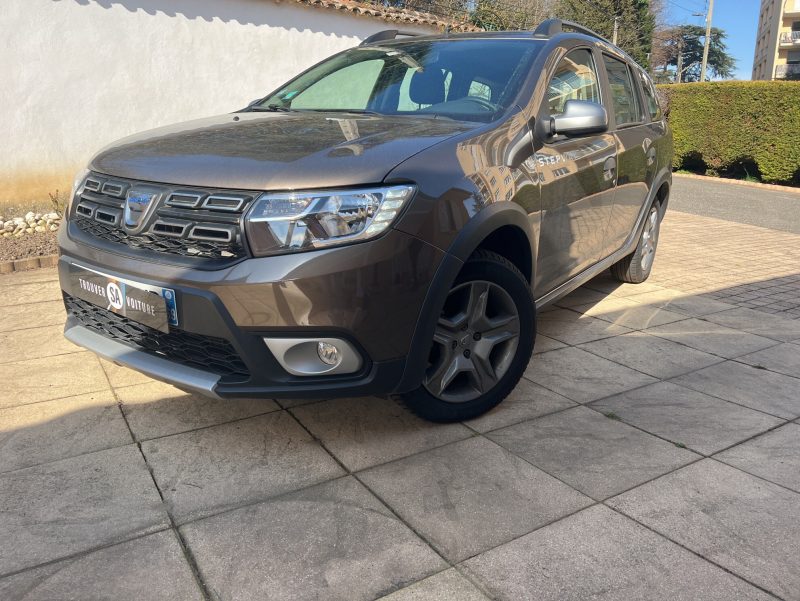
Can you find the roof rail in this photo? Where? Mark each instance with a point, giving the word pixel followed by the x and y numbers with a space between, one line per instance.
pixel 551 27
pixel 386 34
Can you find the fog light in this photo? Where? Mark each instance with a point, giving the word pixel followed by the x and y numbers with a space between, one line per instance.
pixel 328 353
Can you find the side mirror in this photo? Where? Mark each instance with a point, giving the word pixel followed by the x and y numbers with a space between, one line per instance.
pixel 579 117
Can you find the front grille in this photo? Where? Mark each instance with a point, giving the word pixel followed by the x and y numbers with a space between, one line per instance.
pixel 160 243
pixel 199 223
pixel 208 353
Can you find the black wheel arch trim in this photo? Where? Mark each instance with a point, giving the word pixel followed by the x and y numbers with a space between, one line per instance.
pixel 480 227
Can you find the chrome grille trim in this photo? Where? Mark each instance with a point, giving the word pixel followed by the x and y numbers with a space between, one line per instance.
pixel 116 189
pixel 225 202
pixel 185 200
pixel 206 232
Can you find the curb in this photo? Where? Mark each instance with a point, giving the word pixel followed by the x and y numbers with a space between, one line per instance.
pixel 737 182
pixel 28 264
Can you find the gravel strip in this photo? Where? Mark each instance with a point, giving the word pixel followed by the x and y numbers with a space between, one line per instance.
pixel 40 244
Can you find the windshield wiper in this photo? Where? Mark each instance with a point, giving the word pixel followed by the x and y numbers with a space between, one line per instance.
pixel 271 108
pixel 354 111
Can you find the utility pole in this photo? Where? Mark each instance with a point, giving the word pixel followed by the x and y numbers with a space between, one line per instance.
pixel 616 31
pixel 708 40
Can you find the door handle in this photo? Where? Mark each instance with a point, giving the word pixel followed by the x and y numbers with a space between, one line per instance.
pixel 610 169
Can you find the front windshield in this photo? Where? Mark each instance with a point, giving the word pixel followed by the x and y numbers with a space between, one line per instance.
pixel 472 80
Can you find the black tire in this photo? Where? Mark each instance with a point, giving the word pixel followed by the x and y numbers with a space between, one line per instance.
pixel 504 282
pixel 636 267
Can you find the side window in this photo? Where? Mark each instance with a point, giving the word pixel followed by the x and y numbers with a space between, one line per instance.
pixel 650 97
pixel 575 79
pixel 623 94
pixel 347 88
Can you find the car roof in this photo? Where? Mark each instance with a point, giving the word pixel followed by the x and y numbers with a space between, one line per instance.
pixel 547 30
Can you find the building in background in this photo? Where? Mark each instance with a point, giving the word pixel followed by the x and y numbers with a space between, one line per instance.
pixel 777 53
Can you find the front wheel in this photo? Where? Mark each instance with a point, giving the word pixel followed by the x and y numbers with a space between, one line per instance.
pixel 482 343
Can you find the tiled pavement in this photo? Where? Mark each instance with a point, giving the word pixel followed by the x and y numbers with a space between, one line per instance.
pixel 651 452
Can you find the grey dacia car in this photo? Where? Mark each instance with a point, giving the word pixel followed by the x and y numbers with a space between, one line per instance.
pixel 386 223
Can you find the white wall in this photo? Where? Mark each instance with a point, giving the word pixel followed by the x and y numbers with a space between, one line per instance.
pixel 78 74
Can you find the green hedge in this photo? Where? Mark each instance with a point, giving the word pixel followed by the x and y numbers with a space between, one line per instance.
pixel 737 127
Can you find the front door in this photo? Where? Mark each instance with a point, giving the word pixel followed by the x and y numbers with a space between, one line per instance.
pixel 577 177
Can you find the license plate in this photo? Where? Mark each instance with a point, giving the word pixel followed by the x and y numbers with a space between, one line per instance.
pixel 149 305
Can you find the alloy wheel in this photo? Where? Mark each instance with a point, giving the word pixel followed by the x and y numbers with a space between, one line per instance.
pixel 475 342
pixel 650 240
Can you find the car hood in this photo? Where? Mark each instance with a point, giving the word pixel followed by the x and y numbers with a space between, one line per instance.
pixel 274 151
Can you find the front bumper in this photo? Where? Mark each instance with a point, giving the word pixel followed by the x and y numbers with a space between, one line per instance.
pixel 370 294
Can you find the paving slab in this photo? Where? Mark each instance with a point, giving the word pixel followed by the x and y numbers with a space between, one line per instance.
pixel 120 376
pixel 597 455
pixel 681 302
pixel 544 344
pixel 581 296
pixel 712 338
pixel 740 383
pixel 651 354
pixel 151 568
pixel 207 471
pixel 449 585
pixel 777 327
pixel 471 495
pixel 527 401
pixel 599 554
pixel 784 359
pixel 65 507
pixel 53 430
pixel 50 378
pixel 156 409
pixel 570 327
pixel 774 456
pixel 33 343
pixel 362 432
pixel 20 317
pixel 45 274
pixel 703 423
pixel 743 523
pixel 607 283
pixel 334 541
pixel 28 292
pixel 582 376
pixel 625 312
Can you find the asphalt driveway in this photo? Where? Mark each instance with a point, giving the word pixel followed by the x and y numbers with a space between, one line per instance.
pixel 652 451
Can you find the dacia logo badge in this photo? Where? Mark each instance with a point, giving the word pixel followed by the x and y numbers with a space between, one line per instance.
pixel 136 205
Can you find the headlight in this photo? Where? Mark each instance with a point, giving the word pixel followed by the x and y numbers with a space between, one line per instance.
pixel 292 221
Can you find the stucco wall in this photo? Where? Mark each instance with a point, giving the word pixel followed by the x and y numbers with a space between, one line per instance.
pixel 78 74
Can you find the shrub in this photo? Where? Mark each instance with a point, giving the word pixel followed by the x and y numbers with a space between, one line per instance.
pixel 737 128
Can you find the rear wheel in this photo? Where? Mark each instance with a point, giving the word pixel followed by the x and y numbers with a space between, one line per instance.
pixel 482 342
pixel 636 267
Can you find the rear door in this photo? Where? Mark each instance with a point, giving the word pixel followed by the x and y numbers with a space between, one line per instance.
pixel 635 151
pixel 577 177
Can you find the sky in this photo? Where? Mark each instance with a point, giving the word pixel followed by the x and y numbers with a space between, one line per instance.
pixel 739 19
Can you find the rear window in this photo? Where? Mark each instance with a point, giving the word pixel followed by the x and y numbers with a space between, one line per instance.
pixel 623 92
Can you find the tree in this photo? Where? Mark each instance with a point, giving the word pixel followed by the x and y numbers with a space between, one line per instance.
pixel 636 21
pixel 684 45
pixel 497 15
